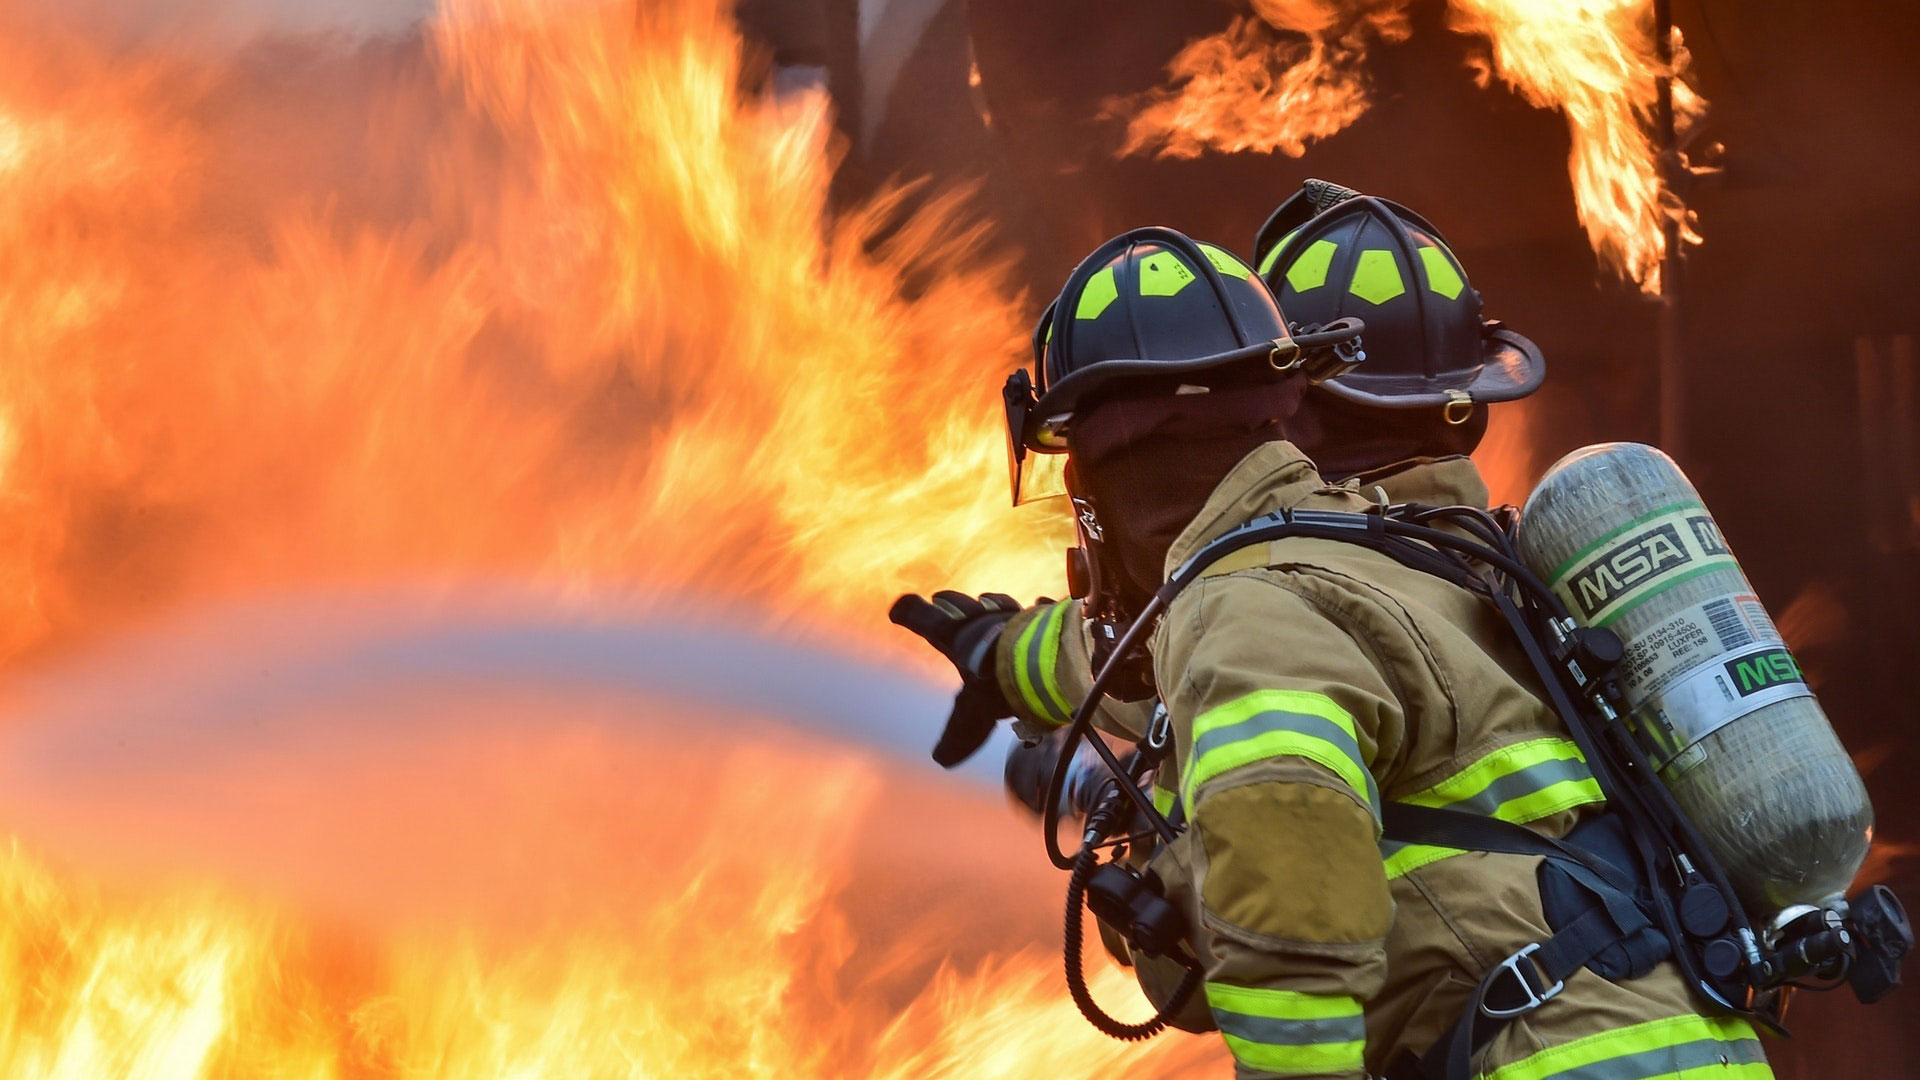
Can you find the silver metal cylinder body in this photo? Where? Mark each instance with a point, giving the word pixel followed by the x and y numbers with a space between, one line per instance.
pixel 1717 700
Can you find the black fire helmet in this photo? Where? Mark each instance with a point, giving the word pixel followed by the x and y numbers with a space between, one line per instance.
pixel 1329 253
pixel 1151 305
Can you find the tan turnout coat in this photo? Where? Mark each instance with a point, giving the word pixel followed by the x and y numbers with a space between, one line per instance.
pixel 1307 682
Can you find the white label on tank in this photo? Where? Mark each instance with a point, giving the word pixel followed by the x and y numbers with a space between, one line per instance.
pixel 1712 695
pixel 1645 557
pixel 1690 637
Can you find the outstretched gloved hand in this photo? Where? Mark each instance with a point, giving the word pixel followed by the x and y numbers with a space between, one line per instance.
pixel 964 629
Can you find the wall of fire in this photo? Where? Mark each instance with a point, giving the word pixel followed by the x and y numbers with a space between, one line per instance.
pixel 1798 320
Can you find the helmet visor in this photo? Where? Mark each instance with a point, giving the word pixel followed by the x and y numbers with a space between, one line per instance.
pixel 1038 477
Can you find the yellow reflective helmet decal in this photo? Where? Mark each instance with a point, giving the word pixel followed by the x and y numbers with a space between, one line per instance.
pixel 1100 293
pixel 1163 274
pixel 1309 271
pixel 1273 256
pixel 1376 277
pixel 1442 277
pixel 1224 262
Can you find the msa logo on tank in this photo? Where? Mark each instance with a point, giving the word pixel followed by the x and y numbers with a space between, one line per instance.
pixel 1710 697
pixel 1749 675
pixel 1620 570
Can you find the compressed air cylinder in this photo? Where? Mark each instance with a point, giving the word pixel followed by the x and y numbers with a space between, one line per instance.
pixel 1717 701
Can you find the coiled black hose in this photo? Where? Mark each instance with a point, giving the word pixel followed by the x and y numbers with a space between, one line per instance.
pixel 1083 868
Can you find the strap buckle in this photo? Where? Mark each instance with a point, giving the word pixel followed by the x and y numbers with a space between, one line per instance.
pixel 1534 998
pixel 1159 729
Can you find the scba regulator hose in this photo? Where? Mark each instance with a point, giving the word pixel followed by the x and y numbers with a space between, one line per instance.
pixel 1083 868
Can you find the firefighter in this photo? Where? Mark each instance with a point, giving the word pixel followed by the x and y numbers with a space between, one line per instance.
pixel 1311 681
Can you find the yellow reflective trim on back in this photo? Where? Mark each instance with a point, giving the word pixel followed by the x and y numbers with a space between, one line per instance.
pixel 1273 256
pixel 1376 277
pixel 1441 275
pixel 1224 262
pixel 1678 1046
pixel 1163 274
pixel 1309 271
pixel 1097 297
pixel 1414 856
pixel 1519 783
pixel 1489 770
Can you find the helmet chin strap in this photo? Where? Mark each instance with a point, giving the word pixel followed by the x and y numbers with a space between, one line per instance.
pixel 1108 614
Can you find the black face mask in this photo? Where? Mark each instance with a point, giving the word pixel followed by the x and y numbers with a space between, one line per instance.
pixel 1148 463
pixel 1345 439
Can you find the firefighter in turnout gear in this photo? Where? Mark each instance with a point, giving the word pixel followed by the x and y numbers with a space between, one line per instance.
pixel 1310 682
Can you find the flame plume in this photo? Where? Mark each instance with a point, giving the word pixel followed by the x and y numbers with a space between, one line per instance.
pixel 582 316
pixel 1295 74
pixel 544 299
pixel 1249 88
pixel 1597 61
pixel 736 956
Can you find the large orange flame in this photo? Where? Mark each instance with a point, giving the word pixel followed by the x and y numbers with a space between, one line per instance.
pixel 1296 74
pixel 565 305
pixel 736 947
pixel 1598 62
pixel 548 300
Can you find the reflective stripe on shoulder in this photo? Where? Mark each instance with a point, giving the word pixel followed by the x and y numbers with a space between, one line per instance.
pixel 1520 783
pixel 1276 723
pixel 1289 1032
pixel 1695 1047
pixel 1035 654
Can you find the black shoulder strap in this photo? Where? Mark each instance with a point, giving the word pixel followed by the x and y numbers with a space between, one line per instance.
pixel 1537 972
pixel 1439 827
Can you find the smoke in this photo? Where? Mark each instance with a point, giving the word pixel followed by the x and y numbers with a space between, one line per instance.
pixel 225 23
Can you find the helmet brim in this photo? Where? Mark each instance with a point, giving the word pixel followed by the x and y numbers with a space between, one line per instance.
pixel 1067 394
pixel 1042 420
pixel 1512 368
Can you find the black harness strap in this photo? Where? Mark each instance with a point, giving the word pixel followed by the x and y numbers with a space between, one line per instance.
pixel 1537 973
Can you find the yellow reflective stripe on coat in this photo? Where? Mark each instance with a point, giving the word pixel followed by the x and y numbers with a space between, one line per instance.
pixel 1034 656
pixel 1276 723
pixel 1693 1047
pixel 1164 799
pixel 1289 1032
pixel 1520 783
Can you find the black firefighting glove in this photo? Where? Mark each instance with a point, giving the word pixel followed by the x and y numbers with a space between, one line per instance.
pixel 964 629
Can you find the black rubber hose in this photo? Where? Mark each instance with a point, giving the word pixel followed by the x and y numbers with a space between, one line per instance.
pixel 1080 728
pixel 1083 868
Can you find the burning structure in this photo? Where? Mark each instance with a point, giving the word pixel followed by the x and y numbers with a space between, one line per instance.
pixel 572 295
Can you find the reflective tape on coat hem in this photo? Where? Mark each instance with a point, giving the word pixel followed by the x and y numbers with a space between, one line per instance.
pixel 1680 1046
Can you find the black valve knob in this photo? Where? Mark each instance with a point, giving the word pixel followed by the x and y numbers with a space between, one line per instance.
pixel 1722 958
pixel 1704 911
pixel 1598 649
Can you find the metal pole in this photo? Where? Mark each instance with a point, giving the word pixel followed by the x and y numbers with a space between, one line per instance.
pixel 1673 389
